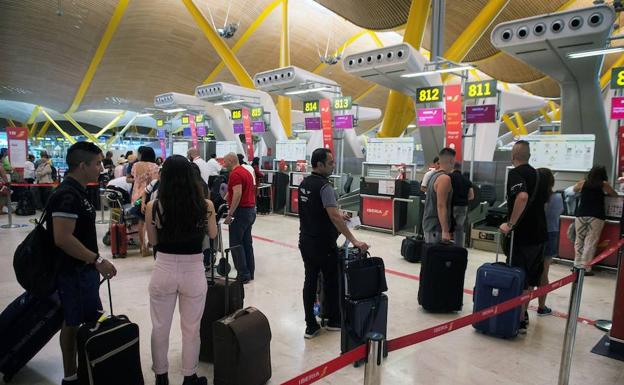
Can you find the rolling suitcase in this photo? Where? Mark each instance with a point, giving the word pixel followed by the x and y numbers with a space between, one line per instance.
pixel 442 278
pixel 412 248
pixel 224 297
pixel 26 326
pixel 108 351
pixel 242 348
pixel 263 204
pixel 496 283
pixel 119 240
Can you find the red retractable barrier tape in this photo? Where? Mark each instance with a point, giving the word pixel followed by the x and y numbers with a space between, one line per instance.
pixel 329 367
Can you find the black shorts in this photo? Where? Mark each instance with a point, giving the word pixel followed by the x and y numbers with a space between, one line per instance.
pixel 529 258
pixel 79 290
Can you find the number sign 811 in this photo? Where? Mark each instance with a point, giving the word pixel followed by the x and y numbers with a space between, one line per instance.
pixel 477 90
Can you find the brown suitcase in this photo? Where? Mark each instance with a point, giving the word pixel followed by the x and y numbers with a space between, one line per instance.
pixel 242 348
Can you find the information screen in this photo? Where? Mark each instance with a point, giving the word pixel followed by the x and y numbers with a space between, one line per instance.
pixel 290 150
pixel 180 148
pixel 225 147
pixel 562 152
pixel 390 150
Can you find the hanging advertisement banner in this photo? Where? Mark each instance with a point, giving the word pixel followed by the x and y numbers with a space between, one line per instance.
pixel 343 122
pixel 453 103
pixel 484 113
pixel 17 138
pixel 326 124
pixel 238 128
pixel 193 131
pixel 312 123
pixel 248 137
pixel 428 117
pixel 620 151
pixel 163 149
pixel 617 107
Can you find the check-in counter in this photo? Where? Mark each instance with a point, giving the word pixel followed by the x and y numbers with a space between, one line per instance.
pixel 384 203
pixel 610 236
pixel 279 188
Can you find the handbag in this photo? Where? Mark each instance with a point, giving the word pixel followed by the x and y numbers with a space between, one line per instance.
pixel 505 240
pixel 365 278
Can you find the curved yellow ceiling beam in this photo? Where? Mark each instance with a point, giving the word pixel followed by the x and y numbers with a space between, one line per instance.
pixel 226 54
pixel 366 93
pixel 375 38
pixel 243 39
pixel 120 10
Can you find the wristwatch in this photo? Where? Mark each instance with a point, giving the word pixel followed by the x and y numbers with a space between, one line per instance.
pixel 98 259
pixel 511 225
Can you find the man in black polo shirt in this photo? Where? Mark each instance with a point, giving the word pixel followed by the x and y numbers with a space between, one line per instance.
pixel 320 223
pixel 527 219
pixel 71 219
pixel 462 193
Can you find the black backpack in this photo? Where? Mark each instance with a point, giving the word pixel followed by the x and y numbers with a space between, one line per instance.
pixel 54 173
pixel 36 268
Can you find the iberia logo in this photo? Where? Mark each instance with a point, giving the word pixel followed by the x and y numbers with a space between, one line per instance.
pixel 383 213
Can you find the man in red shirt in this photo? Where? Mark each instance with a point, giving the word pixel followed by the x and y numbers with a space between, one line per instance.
pixel 241 216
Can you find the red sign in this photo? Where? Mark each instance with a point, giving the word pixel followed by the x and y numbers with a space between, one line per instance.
pixel 617 107
pixel 248 137
pixel 377 212
pixel 294 200
pixel 17 138
pixel 193 130
pixel 326 124
pixel 620 159
pixel 609 237
pixel 453 101
pixel 163 149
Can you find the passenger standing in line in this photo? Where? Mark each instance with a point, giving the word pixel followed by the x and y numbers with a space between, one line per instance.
pixel 5 190
pixel 241 161
pixel 143 172
pixel 214 168
pixel 590 216
pixel 462 193
pixel 435 166
pixel 108 163
pixel 438 211
pixel 320 224
pixel 527 221
pixel 71 221
pixel 44 175
pixel 119 170
pixel 241 216
pixel 177 223
pixel 554 208
pixel 204 170
pixel 29 169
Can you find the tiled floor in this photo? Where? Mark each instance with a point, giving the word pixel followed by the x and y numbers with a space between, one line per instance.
pixel 458 358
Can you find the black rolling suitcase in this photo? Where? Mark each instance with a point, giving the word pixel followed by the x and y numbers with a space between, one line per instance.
pixel 26 326
pixel 363 306
pixel 442 278
pixel 224 296
pixel 263 204
pixel 412 248
pixel 108 351
pixel 242 348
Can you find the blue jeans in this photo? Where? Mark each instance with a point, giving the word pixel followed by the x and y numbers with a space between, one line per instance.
pixel 79 290
pixel 240 234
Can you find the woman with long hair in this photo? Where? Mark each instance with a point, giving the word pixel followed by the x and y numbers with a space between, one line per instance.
pixel 177 223
pixel 554 208
pixel 143 172
pixel 590 215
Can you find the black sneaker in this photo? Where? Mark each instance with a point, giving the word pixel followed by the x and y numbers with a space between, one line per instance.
pixel 542 311
pixel 523 327
pixel 69 382
pixel 333 326
pixel 195 380
pixel 312 331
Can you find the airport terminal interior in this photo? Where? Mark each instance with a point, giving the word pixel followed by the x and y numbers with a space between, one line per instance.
pixel 385 86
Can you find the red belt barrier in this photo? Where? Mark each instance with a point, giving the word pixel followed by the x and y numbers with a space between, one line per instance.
pixel 329 367
pixel 34 184
pixel 438 330
pixel 606 253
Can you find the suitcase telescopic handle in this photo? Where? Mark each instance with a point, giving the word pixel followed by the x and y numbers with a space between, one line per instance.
pixel 110 297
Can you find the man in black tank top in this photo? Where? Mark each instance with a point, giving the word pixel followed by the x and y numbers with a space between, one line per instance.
pixel 320 223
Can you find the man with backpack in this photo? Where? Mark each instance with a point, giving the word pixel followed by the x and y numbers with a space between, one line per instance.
pixel 71 220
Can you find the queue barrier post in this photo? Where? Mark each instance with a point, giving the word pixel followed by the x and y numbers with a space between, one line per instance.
pixel 103 200
pixel 570 331
pixel 10 225
pixel 374 358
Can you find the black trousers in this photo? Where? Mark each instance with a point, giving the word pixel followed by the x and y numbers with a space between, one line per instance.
pixel 320 256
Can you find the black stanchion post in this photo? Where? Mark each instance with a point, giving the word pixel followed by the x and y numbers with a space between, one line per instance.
pixel 570 331
pixel 374 358
pixel 10 225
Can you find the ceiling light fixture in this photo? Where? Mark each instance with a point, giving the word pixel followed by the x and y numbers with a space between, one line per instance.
pixel 225 103
pixel 106 111
pixel 299 92
pixel 411 126
pixel 143 115
pixel 438 71
pixel 173 110
pixel 595 52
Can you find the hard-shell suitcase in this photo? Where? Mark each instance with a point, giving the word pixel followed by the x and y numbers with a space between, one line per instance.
pixel 242 348
pixel 224 297
pixel 119 239
pixel 108 351
pixel 412 248
pixel 26 326
pixel 442 278
pixel 497 283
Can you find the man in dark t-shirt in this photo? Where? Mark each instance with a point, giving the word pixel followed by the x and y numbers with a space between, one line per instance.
pixel 462 193
pixel 526 219
pixel 71 219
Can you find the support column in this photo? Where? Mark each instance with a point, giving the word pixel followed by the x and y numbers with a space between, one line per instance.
pixel 284 104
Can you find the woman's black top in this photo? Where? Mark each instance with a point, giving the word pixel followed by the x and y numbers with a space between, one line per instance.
pixel 592 202
pixel 192 245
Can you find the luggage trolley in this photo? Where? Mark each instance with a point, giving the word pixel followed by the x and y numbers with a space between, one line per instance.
pixel 120 214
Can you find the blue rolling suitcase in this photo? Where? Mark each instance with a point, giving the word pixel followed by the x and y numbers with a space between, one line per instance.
pixel 497 283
